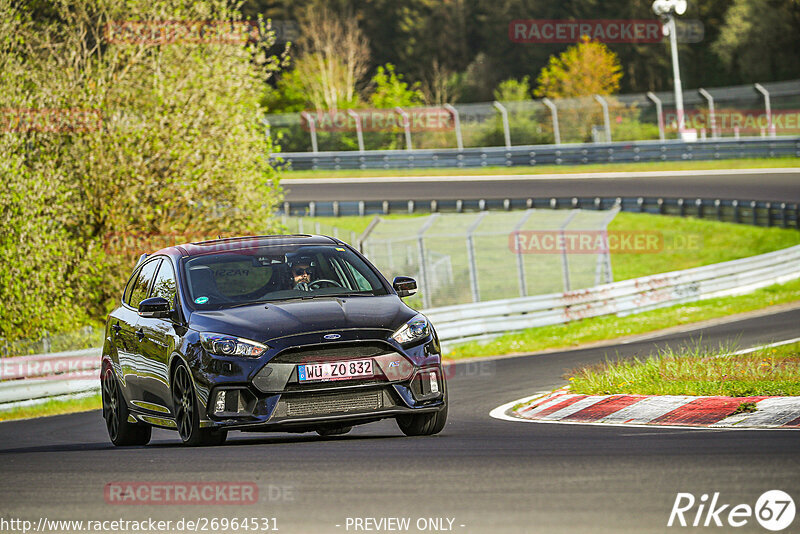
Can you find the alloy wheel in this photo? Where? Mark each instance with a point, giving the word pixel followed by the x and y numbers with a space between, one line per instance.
pixel 183 398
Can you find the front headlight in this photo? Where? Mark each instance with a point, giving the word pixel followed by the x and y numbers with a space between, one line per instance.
pixel 415 329
pixel 223 345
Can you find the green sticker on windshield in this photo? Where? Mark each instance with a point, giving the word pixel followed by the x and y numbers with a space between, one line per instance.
pixel 201 300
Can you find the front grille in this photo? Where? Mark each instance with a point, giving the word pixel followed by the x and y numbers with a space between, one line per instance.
pixel 331 384
pixel 331 352
pixel 322 404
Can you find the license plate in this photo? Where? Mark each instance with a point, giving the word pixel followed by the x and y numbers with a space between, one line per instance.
pixel 335 370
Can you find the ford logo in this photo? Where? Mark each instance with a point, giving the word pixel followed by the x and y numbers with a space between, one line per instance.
pixel 331 336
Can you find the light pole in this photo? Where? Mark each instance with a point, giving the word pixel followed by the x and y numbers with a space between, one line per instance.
pixel 667 9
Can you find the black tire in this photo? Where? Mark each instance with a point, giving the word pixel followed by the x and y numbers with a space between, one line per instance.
pixel 115 412
pixel 424 424
pixel 187 413
pixel 333 430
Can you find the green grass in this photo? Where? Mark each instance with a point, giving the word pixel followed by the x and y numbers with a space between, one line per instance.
pixel 697 371
pixel 752 163
pixel 745 407
pixel 689 242
pixel 53 407
pixel 611 327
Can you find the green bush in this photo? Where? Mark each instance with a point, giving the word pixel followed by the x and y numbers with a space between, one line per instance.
pixel 179 147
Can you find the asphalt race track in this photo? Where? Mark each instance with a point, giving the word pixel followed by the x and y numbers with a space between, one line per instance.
pixel 763 184
pixel 485 474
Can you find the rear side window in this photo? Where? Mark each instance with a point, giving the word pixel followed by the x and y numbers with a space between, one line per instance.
pixel 142 283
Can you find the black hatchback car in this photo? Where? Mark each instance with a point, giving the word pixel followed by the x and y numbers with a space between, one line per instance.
pixel 293 333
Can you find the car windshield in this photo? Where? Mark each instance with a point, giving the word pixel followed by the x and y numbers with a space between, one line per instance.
pixel 252 275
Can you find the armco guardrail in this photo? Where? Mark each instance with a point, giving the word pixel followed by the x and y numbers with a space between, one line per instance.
pixel 44 376
pixel 60 374
pixel 51 364
pixel 629 296
pixel 757 213
pixel 566 154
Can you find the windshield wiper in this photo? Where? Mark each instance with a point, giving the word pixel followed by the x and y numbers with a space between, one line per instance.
pixel 251 303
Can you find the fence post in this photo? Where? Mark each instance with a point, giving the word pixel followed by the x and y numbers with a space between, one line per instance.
pixel 473 262
pixel 712 117
pixel 554 114
pixel 603 273
pixel 359 132
pixel 406 125
pixel 46 341
pixel 767 107
pixel 523 288
pixel 457 124
pixel 312 127
pixel 363 237
pixel 606 120
pixel 506 131
pixel 659 112
pixel 564 259
pixel 423 268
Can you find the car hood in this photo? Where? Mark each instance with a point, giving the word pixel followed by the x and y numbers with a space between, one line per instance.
pixel 264 322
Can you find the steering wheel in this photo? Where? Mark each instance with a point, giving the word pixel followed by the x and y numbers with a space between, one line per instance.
pixel 330 283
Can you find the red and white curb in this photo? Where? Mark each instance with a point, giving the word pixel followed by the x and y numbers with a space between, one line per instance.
pixel 561 406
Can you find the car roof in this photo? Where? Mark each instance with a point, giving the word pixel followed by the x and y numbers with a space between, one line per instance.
pixel 244 242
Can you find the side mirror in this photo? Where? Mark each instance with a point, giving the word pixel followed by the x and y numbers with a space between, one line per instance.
pixel 155 307
pixel 404 286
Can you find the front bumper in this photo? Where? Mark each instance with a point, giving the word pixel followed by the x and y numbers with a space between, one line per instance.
pixel 405 382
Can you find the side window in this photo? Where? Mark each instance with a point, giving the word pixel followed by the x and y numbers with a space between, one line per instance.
pixel 143 282
pixel 164 285
pixel 126 295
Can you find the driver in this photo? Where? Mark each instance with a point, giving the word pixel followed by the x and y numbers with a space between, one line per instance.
pixel 301 274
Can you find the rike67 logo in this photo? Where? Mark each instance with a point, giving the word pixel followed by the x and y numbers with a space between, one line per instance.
pixel 774 510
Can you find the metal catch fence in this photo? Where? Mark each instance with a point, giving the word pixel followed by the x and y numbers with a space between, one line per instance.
pixel 767 109
pixel 474 257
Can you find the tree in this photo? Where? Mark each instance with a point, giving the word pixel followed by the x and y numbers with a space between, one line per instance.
pixel 513 90
pixel 390 90
pixel 177 147
pixel 759 39
pixel 335 60
pixel 588 68
pixel 441 85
